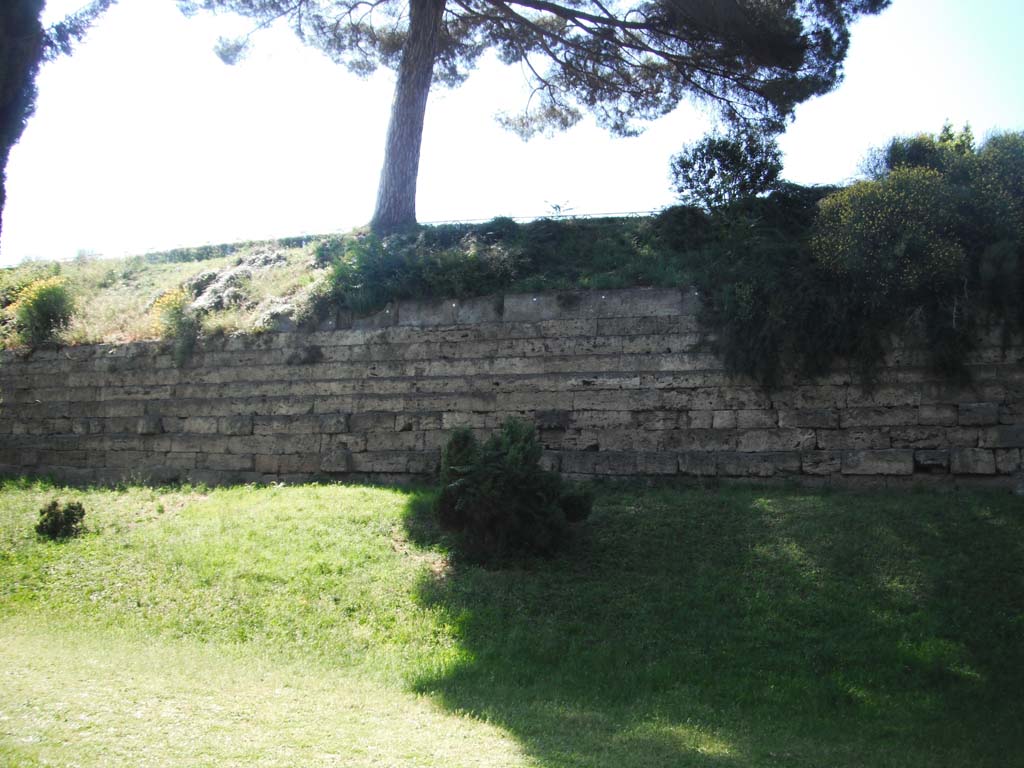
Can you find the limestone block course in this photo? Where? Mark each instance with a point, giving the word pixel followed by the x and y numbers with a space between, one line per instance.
pixel 618 383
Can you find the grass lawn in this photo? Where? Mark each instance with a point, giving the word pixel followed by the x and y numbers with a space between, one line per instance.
pixel 329 626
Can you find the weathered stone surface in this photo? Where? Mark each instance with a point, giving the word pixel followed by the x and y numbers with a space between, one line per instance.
pixel 885 462
pixel 878 417
pixel 427 313
pixel 618 382
pixel 736 464
pixel 978 414
pixel 937 415
pixel 821 418
pixel 972 461
pixel 147 425
pixel 657 463
pixel 1009 436
pixel 700 419
pixel 723 420
pixel 759 418
pixel 854 439
pixel 235 425
pixel 821 462
pixel 931 460
pixel 758 440
pixel 918 437
pixel 1008 461
pixel 697 464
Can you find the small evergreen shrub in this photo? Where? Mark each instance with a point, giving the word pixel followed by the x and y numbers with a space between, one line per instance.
pixel 60 522
pixel 500 501
pixel 44 307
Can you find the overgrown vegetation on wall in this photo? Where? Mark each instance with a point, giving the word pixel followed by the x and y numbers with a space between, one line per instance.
pixel 930 245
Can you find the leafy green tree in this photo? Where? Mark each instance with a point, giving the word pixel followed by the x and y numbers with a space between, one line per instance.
pixel 937 237
pixel 720 169
pixel 24 45
pixel 753 61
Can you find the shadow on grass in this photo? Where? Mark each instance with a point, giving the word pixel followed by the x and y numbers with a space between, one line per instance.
pixel 695 628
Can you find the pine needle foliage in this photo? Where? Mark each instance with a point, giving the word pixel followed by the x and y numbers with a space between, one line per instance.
pixel 499 499
pixel 60 521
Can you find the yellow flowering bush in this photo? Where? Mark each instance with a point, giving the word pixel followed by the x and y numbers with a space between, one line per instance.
pixel 173 319
pixel 891 236
pixel 43 308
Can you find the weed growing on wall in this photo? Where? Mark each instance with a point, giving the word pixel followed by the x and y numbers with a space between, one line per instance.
pixel 174 320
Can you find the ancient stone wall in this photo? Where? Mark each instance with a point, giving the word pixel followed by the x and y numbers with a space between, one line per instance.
pixel 618 382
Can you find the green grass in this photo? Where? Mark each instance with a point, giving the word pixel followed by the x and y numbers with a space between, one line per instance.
pixel 330 625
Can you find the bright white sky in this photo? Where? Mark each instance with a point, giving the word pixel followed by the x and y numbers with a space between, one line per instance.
pixel 144 140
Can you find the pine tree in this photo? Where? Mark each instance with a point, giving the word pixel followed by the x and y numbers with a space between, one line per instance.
pixel 624 62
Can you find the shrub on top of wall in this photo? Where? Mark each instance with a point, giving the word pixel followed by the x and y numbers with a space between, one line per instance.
pixel 43 308
pixel 500 501
pixel 174 320
pixel 935 242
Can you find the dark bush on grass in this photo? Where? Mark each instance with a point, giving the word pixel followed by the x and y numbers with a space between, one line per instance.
pixel 60 522
pixel 499 499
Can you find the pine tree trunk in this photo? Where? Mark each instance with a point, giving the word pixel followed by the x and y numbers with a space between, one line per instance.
pixel 396 195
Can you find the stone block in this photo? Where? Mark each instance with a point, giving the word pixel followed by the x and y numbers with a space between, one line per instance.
pixel 149 425
pixel 1012 413
pixel 631 303
pixel 599 462
pixel 394 441
pixel 553 419
pixel 821 462
pixel 697 464
pixel 385 318
pixel 658 420
pixel 427 462
pixel 700 419
pixel 1005 436
pixel 937 415
pixel 931 460
pixel 972 461
pixel 883 462
pixel 372 421
pixel 235 425
pixel 532 307
pixel 883 396
pixel 735 464
pixel 878 417
pixel 918 437
pixel 723 420
pixel 1008 461
pixel 374 462
pixel 803 397
pixel 428 313
pixel 200 425
pixel 408 422
pixel 299 463
pixel 224 461
pixel 266 464
pixel 978 414
pixel 758 418
pixel 660 463
pixel 698 440
pixel 759 440
pixel 818 418
pixel 486 309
